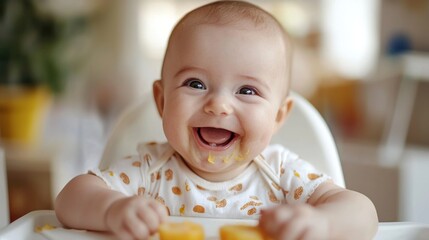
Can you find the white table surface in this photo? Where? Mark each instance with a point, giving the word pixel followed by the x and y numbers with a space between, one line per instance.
pixel 26 228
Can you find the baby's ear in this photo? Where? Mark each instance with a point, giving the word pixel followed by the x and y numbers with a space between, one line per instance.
pixel 158 95
pixel 283 112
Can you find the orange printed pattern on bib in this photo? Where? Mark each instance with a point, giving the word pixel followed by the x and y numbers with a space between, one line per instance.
pixel 199 209
pixel 250 203
pixel 124 177
pixel 168 174
pixel 313 176
pixel 298 192
pixel 251 211
pixel 176 190
pixel 236 188
pixel 136 164
pixel 272 196
pixel 221 203
pixel 141 191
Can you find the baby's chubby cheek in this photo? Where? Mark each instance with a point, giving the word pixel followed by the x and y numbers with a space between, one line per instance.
pixel 257 144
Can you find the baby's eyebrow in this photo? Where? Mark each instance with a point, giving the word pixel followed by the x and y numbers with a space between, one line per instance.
pixel 188 69
pixel 255 79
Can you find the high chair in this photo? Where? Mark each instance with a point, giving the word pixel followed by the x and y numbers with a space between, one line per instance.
pixel 4 206
pixel 304 132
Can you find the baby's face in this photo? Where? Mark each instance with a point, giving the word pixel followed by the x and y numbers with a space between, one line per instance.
pixel 221 92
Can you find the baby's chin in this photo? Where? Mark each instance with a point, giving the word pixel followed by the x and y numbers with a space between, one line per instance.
pixel 216 163
pixel 217 173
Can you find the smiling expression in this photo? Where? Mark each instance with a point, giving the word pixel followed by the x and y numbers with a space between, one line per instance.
pixel 222 95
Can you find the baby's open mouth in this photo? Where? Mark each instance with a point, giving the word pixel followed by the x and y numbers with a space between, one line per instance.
pixel 215 137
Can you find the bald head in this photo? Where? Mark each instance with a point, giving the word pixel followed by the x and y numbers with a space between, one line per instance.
pixel 238 14
pixel 229 12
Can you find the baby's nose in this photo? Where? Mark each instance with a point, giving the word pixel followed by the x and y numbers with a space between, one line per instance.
pixel 219 106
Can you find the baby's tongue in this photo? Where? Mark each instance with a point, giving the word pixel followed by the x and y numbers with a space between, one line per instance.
pixel 215 135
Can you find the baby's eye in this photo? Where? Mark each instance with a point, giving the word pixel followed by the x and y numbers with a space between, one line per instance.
pixel 195 83
pixel 247 91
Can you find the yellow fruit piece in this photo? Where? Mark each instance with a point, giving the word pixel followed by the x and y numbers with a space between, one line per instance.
pixel 181 231
pixel 241 232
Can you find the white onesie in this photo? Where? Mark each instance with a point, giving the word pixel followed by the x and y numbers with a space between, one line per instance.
pixel 277 176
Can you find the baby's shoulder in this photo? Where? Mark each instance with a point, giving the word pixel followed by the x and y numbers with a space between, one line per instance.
pixel 152 150
pixel 280 158
pixel 154 155
pixel 277 153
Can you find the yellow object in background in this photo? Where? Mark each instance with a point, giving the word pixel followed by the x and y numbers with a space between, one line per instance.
pixel 181 231
pixel 241 232
pixel 22 111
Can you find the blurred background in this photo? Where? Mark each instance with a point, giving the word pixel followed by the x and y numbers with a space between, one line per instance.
pixel 69 68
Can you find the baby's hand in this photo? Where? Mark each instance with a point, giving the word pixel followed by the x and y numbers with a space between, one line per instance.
pixel 135 217
pixel 289 222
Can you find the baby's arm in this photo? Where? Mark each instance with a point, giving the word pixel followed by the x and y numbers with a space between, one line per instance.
pixel 331 213
pixel 87 203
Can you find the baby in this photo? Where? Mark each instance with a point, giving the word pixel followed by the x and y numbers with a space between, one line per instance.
pixel 222 95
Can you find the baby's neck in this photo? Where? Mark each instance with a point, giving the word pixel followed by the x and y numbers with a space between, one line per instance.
pixel 219 177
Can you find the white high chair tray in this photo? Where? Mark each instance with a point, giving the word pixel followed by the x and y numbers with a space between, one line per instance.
pixel 38 225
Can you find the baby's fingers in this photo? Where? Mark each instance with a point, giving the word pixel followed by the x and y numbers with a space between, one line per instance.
pixel 131 228
pixel 273 219
pixel 123 234
pixel 306 224
pixel 137 228
pixel 160 210
pixel 152 214
pixel 294 229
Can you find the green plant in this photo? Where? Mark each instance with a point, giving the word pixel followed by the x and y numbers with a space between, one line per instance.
pixel 32 46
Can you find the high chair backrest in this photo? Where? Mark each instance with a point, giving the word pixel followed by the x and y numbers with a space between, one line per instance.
pixel 4 206
pixel 304 132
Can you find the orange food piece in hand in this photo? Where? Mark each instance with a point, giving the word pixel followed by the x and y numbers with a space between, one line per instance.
pixel 241 232
pixel 181 231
